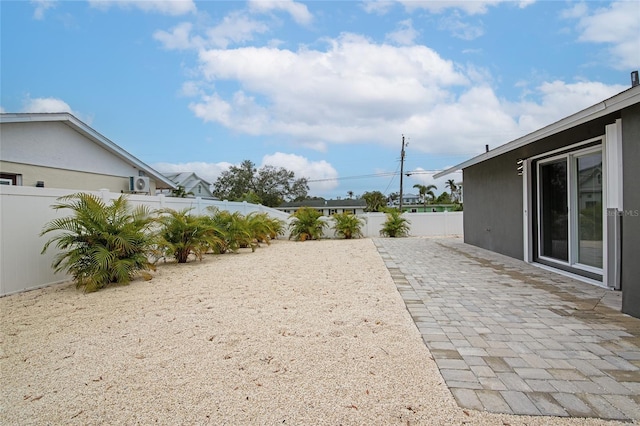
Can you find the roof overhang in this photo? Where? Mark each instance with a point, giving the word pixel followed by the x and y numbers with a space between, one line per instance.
pixel 616 103
pixel 85 130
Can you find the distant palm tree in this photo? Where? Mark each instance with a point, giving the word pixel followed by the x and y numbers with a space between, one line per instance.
pixel 451 184
pixel 350 194
pixel 426 192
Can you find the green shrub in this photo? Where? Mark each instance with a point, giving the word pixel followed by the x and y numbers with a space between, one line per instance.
pixel 395 225
pixel 233 230
pixel 101 244
pixel 263 228
pixel 182 234
pixel 347 225
pixel 306 224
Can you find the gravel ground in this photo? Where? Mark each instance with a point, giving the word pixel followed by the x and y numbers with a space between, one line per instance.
pixel 309 333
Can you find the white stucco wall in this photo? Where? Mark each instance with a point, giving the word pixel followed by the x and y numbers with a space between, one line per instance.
pixel 57 146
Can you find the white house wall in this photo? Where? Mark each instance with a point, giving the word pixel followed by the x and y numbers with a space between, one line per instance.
pixel 56 145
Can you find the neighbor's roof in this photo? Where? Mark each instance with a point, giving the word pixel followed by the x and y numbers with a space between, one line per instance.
pixel 621 100
pixel 84 129
pixel 345 203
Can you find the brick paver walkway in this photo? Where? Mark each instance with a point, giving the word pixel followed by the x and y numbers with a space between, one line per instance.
pixel 509 337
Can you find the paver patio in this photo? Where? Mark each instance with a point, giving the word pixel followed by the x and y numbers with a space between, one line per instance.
pixel 513 338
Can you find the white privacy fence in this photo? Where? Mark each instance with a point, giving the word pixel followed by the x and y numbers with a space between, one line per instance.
pixel 25 210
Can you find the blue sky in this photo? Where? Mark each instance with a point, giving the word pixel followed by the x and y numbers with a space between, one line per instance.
pixel 326 89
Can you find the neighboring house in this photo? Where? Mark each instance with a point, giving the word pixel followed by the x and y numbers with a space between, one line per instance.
pixel 565 196
pixel 326 207
pixel 56 150
pixel 193 185
pixel 409 199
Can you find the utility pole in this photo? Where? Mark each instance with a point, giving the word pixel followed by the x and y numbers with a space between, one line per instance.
pixel 401 171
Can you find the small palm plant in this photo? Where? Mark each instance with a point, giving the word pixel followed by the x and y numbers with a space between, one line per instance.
pixel 306 224
pixel 101 243
pixel 277 227
pixel 263 228
pixel 182 234
pixel 347 225
pixel 233 231
pixel 395 225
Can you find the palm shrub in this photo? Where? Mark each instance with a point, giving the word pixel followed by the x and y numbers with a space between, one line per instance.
pixel 347 225
pixel 263 228
pixel 233 231
pixel 101 243
pixel 306 224
pixel 396 225
pixel 276 226
pixel 182 234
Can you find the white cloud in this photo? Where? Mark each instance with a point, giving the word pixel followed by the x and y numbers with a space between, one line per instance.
pixel 235 28
pixel 165 7
pixel 179 38
pixel 298 11
pixel 357 91
pixel 356 95
pixel 379 7
pixel 460 28
pixel 45 105
pixel 404 35
pixel 474 7
pixel 617 26
pixel 41 6
pixel 558 100
pixel 303 168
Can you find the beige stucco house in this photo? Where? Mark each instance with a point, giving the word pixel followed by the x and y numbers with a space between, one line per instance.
pixel 57 150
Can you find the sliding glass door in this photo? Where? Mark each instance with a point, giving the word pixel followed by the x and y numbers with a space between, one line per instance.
pixel 570 206
pixel 589 209
pixel 554 210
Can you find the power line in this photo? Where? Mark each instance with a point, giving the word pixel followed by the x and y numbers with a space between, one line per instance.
pixel 376 175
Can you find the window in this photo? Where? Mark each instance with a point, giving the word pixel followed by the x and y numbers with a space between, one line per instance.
pixel 10 179
pixel 570 210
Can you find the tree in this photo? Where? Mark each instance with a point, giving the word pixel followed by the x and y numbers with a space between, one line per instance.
pixel 101 243
pixel 181 192
pixel 350 194
pixel 444 198
pixel 270 185
pixel 451 184
pixel 393 197
pixel 426 192
pixel 375 200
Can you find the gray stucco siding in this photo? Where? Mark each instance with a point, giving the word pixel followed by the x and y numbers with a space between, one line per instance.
pixel 493 212
pixel 493 205
pixel 630 277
